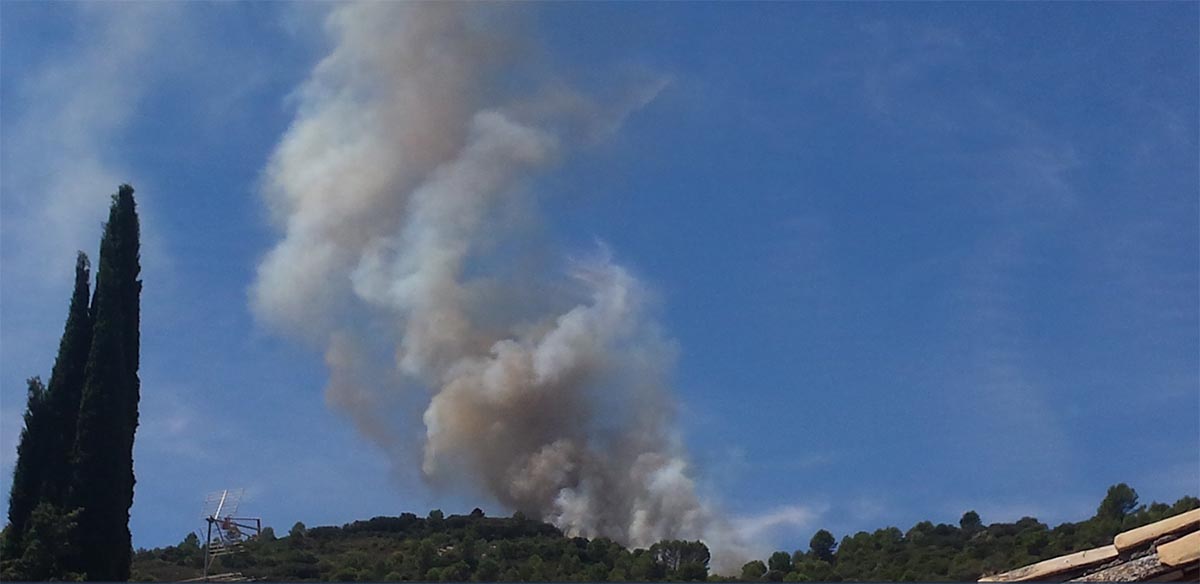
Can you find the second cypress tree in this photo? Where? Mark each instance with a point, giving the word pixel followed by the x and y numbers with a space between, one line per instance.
pixel 103 475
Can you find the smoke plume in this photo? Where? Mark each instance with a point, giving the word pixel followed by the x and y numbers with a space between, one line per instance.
pixel 401 193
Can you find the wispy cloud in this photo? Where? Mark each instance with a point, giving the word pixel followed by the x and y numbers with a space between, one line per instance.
pixel 1014 178
pixel 788 518
pixel 172 426
pixel 1141 256
pixel 66 117
pixel 896 58
pixel 866 509
pixel 997 376
pixel 59 154
pixel 67 113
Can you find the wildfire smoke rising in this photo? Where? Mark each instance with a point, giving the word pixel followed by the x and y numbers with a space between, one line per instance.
pixel 398 189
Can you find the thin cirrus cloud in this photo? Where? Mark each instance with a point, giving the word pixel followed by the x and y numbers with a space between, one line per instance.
pixel 73 116
pixel 760 527
pixel 65 119
pixel 1015 174
pixel 1047 202
pixel 69 111
pixel 1017 183
pixel 62 117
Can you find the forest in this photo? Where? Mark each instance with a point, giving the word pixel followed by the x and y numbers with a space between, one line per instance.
pixel 474 547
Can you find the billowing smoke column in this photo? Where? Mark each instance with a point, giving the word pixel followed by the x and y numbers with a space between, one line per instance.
pixel 399 192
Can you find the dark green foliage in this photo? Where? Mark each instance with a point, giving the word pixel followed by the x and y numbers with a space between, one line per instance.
pixel 73 481
pixel 1111 515
pixel 48 547
pixel 457 548
pixel 474 547
pixel 780 562
pixel 178 562
pixel 42 476
pixel 809 569
pixel 488 571
pixel 30 472
pixel 778 566
pixel 66 387
pixel 1120 500
pixel 1183 505
pixel 822 545
pixel 931 553
pixel 753 571
pixel 103 475
pixel 970 523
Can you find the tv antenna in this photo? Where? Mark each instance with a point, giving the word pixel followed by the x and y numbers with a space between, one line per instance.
pixel 227 532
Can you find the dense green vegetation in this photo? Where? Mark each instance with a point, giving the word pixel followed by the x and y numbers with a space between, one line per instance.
pixel 473 547
pixel 457 548
pixel 68 515
pixel 964 552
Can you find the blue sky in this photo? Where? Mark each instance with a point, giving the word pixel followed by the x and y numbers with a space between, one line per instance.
pixel 915 259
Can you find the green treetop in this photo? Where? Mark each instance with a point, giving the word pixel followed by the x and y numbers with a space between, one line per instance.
pixel 822 545
pixel 1118 502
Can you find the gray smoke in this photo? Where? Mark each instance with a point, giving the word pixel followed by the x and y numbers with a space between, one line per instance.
pixel 399 189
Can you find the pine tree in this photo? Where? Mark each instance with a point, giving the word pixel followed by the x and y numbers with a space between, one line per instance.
pixel 66 388
pixel 103 475
pixel 30 472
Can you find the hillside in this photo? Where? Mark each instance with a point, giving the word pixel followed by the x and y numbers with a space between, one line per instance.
pixel 478 548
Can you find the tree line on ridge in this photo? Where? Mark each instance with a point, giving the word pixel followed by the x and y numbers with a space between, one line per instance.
pixel 463 548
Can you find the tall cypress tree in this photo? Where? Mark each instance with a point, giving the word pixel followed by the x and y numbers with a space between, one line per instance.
pixel 103 478
pixel 30 472
pixel 66 388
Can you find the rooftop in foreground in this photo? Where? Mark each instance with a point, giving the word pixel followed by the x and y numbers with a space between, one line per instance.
pixel 1164 551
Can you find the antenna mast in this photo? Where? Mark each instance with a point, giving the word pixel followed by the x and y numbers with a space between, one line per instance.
pixel 226 531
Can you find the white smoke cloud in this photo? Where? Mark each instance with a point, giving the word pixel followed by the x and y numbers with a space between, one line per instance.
pixel 400 192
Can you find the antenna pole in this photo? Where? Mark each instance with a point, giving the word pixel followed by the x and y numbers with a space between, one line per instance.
pixel 207 550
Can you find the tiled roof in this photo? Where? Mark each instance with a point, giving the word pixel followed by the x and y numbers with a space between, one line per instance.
pixel 1164 551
